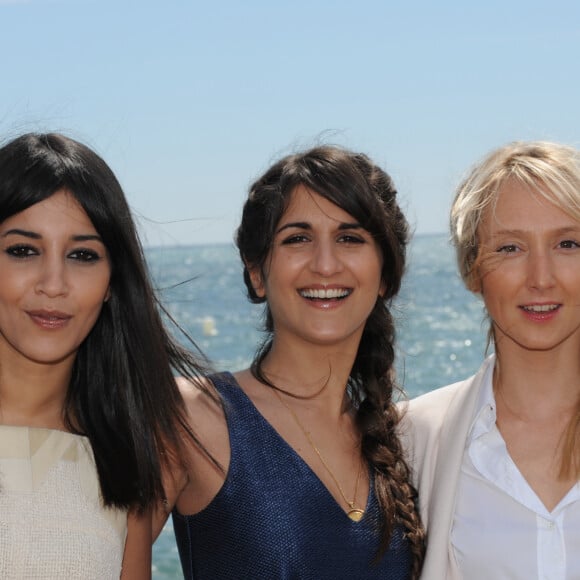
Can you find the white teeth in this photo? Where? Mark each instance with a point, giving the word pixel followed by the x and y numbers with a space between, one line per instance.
pixel 325 294
pixel 541 308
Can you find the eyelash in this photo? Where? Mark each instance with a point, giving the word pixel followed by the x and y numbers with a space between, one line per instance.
pixel 21 251
pixel 564 244
pixel 569 244
pixel 24 251
pixel 507 249
pixel 85 255
pixel 351 239
pixel 343 238
pixel 295 239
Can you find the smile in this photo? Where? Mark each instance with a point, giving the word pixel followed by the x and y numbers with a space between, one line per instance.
pixel 325 293
pixel 541 308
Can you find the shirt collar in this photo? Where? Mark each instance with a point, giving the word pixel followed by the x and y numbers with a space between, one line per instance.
pixel 485 414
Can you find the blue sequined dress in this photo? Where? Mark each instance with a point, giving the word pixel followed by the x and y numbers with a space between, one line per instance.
pixel 274 519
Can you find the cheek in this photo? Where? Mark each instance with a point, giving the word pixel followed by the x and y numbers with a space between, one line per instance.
pixel 96 292
pixel 494 292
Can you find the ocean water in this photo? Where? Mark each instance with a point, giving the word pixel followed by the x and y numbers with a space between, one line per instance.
pixel 441 327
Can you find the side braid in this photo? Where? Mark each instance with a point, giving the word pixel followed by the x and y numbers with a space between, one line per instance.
pixel 396 496
pixel 373 383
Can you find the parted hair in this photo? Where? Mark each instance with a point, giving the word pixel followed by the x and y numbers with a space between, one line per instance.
pixel 551 171
pixel 122 394
pixel 354 183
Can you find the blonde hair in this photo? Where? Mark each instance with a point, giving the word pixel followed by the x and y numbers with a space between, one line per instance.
pixel 552 171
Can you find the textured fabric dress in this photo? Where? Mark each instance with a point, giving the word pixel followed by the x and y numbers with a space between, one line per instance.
pixel 274 519
pixel 53 525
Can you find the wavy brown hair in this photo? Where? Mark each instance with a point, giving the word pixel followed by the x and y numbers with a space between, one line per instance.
pixel 354 183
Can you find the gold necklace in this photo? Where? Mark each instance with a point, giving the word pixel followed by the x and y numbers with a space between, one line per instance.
pixel 354 513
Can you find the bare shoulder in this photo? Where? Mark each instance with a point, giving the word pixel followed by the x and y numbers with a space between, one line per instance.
pixel 207 454
pixel 193 475
pixel 202 401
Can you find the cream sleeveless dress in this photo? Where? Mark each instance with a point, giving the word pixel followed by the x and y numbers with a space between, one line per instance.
pixel 53 525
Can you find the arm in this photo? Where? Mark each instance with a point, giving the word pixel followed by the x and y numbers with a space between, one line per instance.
pixel 191 479
pixel 174 481
pixel 137 555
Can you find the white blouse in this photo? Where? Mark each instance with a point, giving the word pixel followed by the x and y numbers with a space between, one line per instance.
pixel 501 529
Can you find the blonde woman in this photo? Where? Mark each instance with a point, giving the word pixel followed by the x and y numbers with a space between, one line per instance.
pixel 496 457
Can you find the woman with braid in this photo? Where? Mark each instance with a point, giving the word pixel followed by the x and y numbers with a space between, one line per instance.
pixel 312 483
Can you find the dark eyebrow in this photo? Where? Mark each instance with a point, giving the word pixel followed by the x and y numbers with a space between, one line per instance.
pixel 307 226
pixel 25 233
pixel 350 226
pixel 87 238
pixel 298 225
pixel 35 236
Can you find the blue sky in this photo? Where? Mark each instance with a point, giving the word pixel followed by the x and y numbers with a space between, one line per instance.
pixel 189 101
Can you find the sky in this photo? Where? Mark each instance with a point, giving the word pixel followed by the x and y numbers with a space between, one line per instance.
pixel 190 101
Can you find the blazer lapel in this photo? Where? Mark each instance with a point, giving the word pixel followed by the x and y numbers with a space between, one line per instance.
pixel 453 439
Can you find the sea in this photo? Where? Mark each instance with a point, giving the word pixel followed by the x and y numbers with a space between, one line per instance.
pixel 441 327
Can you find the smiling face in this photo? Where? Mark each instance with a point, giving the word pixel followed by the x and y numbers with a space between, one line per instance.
pixel 530 272
pixel 55 278
pixel 323 274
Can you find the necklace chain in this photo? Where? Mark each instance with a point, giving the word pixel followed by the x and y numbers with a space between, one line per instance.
pixel 353 513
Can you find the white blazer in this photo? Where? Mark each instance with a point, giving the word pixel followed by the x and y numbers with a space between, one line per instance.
pixel 434 433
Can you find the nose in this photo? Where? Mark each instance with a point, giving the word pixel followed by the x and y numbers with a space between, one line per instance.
pixel 540 270
pixel 326 259
pixel 52 278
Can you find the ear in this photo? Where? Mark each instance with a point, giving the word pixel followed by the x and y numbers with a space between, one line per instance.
pixel 382 289
pixel 473 282
pixel 475 286
pixel 257 280
pixel 107 295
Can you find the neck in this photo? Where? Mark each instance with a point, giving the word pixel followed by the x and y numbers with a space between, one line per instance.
pixel 33 394
pixel 319 378
pixel 537 385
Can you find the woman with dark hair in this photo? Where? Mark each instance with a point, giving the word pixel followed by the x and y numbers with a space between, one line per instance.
pixel 313 483
pixel 88 403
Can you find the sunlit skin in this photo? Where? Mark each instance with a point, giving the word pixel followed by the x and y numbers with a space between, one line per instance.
pixel 323 275
pixel 55 278
pixel 530 272
pixel 321 279
pixel 530 282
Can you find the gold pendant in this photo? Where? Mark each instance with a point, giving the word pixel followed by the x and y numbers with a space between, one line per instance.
pixel 355 514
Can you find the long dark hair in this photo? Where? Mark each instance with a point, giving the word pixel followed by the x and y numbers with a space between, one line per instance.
pixel 122 394
pixel 362 189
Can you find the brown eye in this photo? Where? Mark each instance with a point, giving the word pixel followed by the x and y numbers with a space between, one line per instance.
pixel 85 255
pixel 508 249
pixel 568 244
pixel 295 239
pixel 351 239
pixel 21 251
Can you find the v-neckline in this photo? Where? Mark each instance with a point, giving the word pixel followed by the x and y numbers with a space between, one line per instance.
pixel 297 457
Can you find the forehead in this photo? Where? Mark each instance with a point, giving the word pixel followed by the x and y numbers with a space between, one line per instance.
pixel 308 206
pixel 57 212
pixel 519 206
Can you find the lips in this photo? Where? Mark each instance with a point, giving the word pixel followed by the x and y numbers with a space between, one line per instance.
pixel 49 319
pixel 325 293
pixel 540 308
